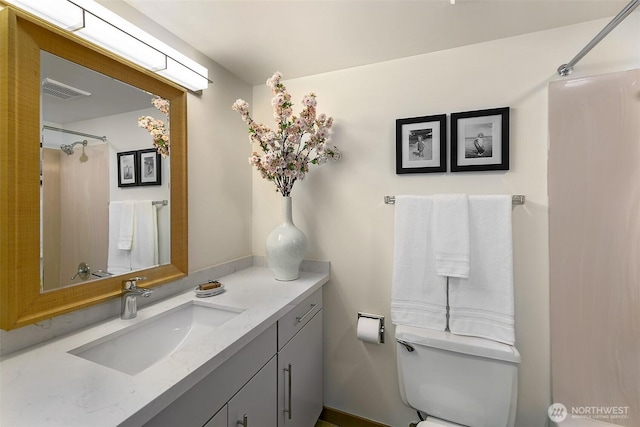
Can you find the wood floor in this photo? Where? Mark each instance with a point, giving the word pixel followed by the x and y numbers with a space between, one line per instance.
pixel 331 417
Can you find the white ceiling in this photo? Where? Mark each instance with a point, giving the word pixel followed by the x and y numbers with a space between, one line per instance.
pixel 254 38
pixel 108 95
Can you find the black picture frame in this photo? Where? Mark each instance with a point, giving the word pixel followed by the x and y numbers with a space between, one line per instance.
pixel 421 144
pixel 149 167
pixel 127 169
pixel 480 140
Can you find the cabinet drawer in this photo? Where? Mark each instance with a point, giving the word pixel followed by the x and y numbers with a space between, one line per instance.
pixel 293 321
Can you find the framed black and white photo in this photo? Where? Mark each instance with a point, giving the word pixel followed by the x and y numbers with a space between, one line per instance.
pixel 480 140
pixel 421 144
pixel 149 167
pixel 127 169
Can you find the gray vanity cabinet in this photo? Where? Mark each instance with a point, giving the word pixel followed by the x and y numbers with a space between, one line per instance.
pixel 300 364
pixel 275 380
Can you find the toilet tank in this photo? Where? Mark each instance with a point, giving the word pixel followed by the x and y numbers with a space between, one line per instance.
pixel 466 380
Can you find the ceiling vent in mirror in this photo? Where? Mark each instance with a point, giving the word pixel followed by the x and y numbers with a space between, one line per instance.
pixel 62 91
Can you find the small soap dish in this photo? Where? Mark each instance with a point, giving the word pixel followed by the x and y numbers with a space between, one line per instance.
pixel 213 287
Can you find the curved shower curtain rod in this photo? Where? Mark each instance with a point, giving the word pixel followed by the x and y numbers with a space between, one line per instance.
pixel 566 69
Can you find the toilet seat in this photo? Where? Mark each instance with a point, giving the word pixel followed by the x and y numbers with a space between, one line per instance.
pixel 435 422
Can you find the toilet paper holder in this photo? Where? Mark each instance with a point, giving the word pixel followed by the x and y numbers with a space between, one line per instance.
pixel 375 316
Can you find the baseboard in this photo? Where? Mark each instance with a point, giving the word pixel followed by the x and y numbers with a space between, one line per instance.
pixel 344 419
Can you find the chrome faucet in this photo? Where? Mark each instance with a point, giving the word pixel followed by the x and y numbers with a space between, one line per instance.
pixel 130 293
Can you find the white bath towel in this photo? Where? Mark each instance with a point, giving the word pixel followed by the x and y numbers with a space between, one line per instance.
pixel 127 217
pixel 483 304
pixel 450 234
pixel 118 260
pixel 418 294
pixel 144 249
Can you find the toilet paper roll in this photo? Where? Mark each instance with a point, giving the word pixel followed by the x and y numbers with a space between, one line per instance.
pixel 368 330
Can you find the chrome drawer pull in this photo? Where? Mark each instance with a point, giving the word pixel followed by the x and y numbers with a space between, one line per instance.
pixel 244 422
pixel 300 319
pixel 288 370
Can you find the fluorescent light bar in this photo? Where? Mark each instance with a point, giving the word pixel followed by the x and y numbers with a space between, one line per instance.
pixel 111 38
pixel 101 26
pixel 61 13
pixel 183 76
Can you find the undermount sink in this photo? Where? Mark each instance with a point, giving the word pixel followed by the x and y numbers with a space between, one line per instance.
pixel 133 349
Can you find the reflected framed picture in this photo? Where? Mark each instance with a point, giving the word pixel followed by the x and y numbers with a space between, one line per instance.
pixel 421 144
pixel 149 167
pixel 127 169
pixel 480 140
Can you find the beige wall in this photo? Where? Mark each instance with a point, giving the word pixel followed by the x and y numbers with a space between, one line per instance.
pixel 340 206
pixel 219 176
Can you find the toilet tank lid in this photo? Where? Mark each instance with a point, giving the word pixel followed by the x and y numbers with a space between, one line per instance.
pixel 459 343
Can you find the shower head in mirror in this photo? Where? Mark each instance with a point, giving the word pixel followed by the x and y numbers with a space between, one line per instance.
pixel 83 156
pixel 68 149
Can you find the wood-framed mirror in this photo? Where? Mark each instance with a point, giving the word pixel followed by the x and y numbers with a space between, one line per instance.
pixel 23 38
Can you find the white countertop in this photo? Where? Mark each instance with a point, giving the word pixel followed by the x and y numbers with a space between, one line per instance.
pixel 47 386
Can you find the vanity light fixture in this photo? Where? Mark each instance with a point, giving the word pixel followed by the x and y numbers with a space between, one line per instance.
pixel 99 25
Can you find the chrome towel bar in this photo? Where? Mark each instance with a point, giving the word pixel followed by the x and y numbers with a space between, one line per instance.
pixel 516 199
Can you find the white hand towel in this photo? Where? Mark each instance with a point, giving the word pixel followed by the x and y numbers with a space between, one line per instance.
pixel 144 249
pixel 125 236
pixel 418 294
pixel 118 260
pixel 483 304
pixel 450 234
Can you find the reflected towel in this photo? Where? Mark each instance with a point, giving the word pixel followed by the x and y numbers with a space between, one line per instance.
pixel 144 248
pixel 118 260
pixel 127 216
pixel 450 234
pixel 483 304
pixel 418 294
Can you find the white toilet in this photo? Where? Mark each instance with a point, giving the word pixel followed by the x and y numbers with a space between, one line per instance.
pixel 457 380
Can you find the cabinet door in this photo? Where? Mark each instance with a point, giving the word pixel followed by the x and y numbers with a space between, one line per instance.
pixel 255 404
pixel 219 419
pixel 300 377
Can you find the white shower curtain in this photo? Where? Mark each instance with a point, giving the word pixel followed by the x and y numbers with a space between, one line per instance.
pixel 594 208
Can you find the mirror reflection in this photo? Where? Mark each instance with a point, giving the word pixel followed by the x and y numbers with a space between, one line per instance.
pixel 104 189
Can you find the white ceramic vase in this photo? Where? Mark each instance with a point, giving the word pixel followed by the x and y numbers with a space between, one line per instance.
pixel 286 245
